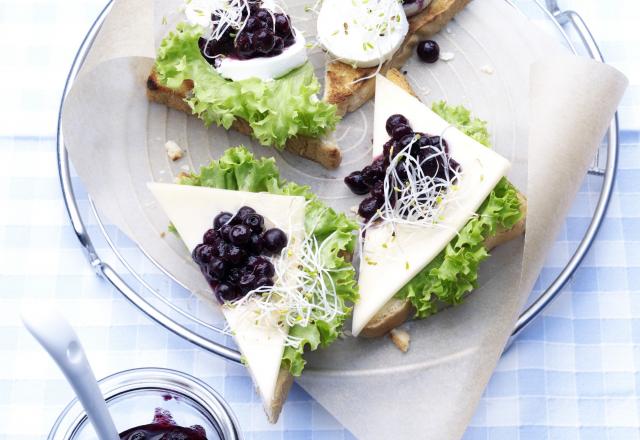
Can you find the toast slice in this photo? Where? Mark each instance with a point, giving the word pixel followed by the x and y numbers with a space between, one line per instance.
pixel 396 311
pixel 319 150
pixel 344 84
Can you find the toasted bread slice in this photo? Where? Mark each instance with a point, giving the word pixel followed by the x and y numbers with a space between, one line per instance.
pixel 344 84
pixel 396 311
pixel 319 150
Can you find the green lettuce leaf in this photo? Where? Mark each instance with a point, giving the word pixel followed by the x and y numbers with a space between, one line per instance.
pixel 238 169
pixel 461 117
pixel 276 110
pixel 454 272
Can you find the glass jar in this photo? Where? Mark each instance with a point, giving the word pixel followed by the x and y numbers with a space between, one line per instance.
pixel 133 395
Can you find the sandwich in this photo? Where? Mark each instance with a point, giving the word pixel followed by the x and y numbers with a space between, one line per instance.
pixel 437 201
pixel 242 64
pixel 365 37
pixel 276 258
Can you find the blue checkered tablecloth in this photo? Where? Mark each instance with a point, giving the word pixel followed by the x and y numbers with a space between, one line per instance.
pixel 575 373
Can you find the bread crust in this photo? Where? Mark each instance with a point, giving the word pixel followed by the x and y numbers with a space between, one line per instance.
pixel 283 385
pixel 319 150
pixel 397 311
pixel 344 84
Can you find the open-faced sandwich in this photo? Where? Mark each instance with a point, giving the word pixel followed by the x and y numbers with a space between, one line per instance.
pixel 438 201
pixel 368 36
pixel 277 260
pixel 242 64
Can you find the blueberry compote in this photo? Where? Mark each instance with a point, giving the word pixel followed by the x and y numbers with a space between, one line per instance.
pixel 248 32
pixel 233 255
pixel 164 427
pixel 431 153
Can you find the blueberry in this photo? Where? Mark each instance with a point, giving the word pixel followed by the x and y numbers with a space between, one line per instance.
pixel 216 268
pixel 278 45
pixel 244 211
pixel 264 268
pixel 283 25
pixel 371 175
pixel 428 51
pixel 226 292
pixel 244 44
pixel 225 231
pixel 247 282
pixel 355 183
pixel 378 162
pixel 401 130
pixel 274 240
pixel 239 234
pixel 256 244
pixel 368 207
pixel 389 149
pixel 235 255
pixel 252 24
pixel 401 170
pixel 254 221
pixel 378 190
pixel 394 120
pixel 233 275
pixel 431 166
pixel 139 435
pixel 221 219
pixel 220 249
pixel 405 141
pixel 202 253
pixel 251 260
pixel 265 16
pixel 264 40
pixel 210 237
pixel 263 281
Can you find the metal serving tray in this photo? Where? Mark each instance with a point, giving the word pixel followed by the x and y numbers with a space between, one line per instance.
pixel 153 295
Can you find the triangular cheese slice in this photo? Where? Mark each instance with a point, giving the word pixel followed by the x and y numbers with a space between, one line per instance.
pixel 387 263
pixel 192 209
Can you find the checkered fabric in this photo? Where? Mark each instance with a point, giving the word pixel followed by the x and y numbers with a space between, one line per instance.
pixel 575 373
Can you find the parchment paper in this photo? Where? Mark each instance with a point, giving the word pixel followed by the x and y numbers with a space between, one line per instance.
pixel 547 112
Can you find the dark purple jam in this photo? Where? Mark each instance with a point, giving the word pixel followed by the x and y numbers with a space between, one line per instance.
pixel 264 33
pixel 164 427
pixel 431 152
pixel 233 255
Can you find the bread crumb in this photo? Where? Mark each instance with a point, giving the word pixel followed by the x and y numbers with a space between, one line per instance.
pixel 447 56
pixel 162 234
pixel 487 69
pixel 401 339
pixel 173 150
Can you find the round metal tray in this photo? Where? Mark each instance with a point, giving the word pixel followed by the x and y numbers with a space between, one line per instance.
pixel 153 291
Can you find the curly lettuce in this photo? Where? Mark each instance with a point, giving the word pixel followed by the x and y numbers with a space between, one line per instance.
pixel 461 117
pixel 238 169
pixel 454 272
pixel 275 110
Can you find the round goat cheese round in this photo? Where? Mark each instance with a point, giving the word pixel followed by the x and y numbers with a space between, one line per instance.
pixel 412 7
pixel 265 68
pixel 363 33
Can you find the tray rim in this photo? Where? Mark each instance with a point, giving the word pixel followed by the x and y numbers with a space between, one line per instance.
pixel 104 270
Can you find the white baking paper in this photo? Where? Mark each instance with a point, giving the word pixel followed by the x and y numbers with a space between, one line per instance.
pixel 547 112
